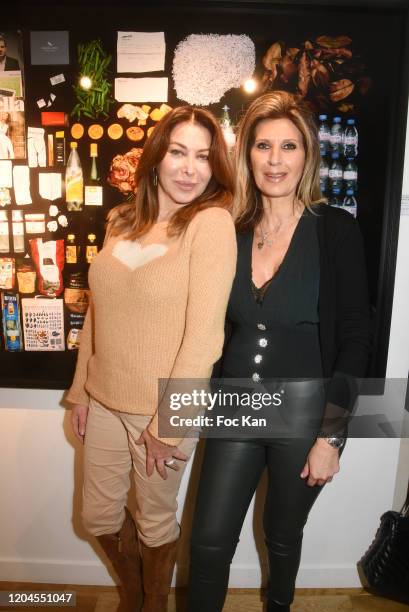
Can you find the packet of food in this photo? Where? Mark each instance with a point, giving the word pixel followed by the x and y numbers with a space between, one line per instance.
pixel 7 273
pixel 76 300
pixel 10 308
pixel 48 259
pixel 76 293
pixel 26 278
pixel 73 339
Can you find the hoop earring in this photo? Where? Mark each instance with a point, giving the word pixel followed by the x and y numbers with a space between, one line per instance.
pixel 155 177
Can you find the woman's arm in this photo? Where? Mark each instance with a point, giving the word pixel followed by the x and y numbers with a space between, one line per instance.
pixel 353 338
pixel 353 322
pixel 77 393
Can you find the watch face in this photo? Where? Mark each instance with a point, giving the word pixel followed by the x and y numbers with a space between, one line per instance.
pixel 336 442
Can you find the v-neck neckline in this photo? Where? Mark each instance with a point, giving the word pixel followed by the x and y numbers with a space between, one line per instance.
pixel 278 273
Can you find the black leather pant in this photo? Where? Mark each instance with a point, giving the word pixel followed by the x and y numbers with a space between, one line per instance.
pixel 230 474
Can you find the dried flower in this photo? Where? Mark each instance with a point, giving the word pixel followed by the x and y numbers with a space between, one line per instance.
pixel 122 170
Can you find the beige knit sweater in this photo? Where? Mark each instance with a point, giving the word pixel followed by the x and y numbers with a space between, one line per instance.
pixel 157 312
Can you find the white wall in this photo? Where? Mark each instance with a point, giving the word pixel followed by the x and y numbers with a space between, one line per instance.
pixel 40 482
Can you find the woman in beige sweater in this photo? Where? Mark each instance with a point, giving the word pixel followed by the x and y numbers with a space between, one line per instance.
pixel 159 291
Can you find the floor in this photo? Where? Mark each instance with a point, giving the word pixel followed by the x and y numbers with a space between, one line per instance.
pixel 105 599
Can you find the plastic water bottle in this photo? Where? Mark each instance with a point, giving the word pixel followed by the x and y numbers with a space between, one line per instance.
pixel 335 173
pixel 350 203
pixel 351 140
pixel 336 136
pixel 324 175
pixel 351 176
pixel 324 135
pixel 336 200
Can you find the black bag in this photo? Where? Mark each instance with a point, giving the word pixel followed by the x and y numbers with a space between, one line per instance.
pixel 384 568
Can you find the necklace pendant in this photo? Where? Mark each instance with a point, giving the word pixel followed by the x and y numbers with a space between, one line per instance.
pixel 260 245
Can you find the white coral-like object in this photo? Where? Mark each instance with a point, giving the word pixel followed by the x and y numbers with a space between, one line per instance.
pixel 206 66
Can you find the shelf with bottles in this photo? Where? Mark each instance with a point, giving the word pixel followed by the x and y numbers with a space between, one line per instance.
pixel 338 164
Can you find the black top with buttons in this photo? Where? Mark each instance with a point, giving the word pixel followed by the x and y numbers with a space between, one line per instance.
pixel 275 332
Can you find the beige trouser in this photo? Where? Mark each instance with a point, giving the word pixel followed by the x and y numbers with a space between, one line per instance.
pixel 110 453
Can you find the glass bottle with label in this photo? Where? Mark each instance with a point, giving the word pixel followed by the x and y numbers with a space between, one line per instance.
pixel 72 250
pixel 92 248
pixel 74 181
pixel 93 188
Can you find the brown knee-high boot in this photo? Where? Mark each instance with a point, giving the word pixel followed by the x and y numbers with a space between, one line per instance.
pixel 157 571
pixel 122 549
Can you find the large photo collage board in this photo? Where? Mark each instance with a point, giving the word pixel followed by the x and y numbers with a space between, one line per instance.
pixel 78 103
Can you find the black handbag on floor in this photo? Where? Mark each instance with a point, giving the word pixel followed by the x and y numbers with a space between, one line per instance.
pixel 384 568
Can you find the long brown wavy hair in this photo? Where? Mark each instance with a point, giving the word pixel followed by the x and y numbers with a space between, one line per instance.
pixel 134 218
pixel 247 208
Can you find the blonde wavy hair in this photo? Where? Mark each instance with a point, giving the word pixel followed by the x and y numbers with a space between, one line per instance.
pixel 247 208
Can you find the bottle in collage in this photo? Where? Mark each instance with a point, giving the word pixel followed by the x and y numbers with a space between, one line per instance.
pixel 351 168
pixel 74 181
pixel 324 135
pixel 335 167
pixel 91 249
pixel 336 136
pixel 72 251
pixel 227 128
pixel 93 187
pixel 350 176
pixel 335 180
pixel 350 140
pixel 324 175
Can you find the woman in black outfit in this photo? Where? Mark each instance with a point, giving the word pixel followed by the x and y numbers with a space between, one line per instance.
pixel 298 310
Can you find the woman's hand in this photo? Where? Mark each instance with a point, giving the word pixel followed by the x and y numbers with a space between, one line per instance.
pixel 158 454
pixel 322 463
pixel 79 414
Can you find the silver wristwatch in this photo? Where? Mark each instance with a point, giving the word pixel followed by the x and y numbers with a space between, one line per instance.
pixel 334 441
